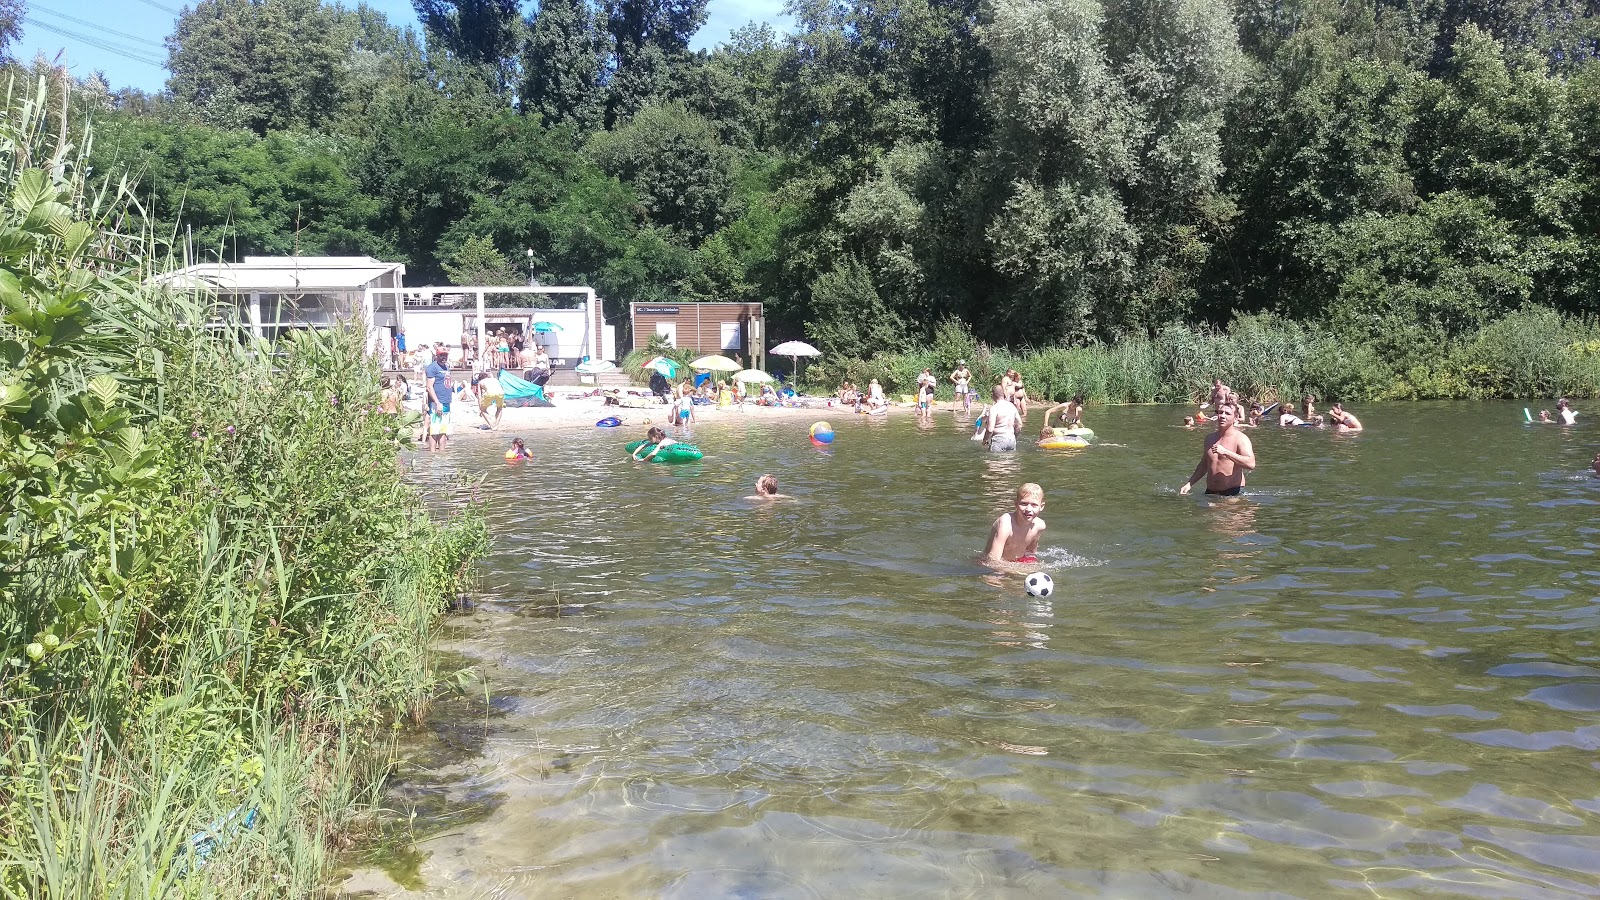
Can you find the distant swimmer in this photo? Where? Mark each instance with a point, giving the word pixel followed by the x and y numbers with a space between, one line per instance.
pixel 1226 459
pixel 767 489
pixel 1544 417
pixel 1219 394
pixel 1070 412
pixel 1565 413
pixel 656 441
pixel 1188 422
pixel 1000 422
pixel 1595 464
pixel 1308 411
pixel 1014 538
pixel 1343 421
pixel 1288 419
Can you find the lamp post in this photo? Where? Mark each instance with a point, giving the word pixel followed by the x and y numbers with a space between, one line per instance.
pixel 532 281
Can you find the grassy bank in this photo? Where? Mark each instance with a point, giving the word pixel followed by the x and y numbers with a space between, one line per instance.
pixel 216 592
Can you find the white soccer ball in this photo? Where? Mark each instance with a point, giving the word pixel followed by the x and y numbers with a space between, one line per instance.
pixel 1039 585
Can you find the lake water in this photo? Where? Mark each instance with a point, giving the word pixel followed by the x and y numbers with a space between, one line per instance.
pixel 1374 676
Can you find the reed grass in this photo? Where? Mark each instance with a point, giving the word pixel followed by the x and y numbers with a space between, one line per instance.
pixel 1532 353
pixel 216 590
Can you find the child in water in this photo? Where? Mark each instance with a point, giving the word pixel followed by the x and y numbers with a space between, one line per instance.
pixel 767 489
pixel 656 440
pixel 1015 535
pixel 518 450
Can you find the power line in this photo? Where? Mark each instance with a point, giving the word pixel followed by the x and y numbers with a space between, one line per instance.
pixel 98 27
pixel 115 49
pixel 163 7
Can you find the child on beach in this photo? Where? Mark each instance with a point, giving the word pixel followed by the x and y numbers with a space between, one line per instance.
pixel 656 440
pixel 1014 539
pixel 767 489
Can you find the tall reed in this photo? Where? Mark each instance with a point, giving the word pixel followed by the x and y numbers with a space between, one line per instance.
pixel 216 591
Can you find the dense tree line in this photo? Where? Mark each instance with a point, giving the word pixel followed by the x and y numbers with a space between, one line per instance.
pixel 1046 172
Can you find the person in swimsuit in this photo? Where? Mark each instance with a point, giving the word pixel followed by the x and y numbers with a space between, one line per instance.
pixel 767 489
pixel 1343 421
pixel 1014 539
pixel 1308 412
pixel 962 377
pixel 1188 422
pixel 1565 412
pixel 926 383
pixel 1071 413
pixel 518 450
pixel 1000 422
pixel 1226 459
pixel 656 441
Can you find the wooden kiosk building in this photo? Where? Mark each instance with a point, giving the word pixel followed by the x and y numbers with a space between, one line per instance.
pixel 704 328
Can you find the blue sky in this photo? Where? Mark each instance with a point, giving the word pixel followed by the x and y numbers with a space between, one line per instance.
pixel 125 38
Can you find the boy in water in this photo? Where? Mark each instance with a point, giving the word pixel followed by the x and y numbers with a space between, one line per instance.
pixel 656 440
pixel 767 489
pixel 518 450
pixel 1015 535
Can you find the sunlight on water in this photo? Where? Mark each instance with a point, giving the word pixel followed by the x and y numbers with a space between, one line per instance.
pixel 1376 675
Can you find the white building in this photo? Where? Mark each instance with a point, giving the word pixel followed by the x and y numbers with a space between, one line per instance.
pixel 276 294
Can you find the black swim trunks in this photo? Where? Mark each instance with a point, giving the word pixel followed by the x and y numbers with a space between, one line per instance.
pixel 1230 492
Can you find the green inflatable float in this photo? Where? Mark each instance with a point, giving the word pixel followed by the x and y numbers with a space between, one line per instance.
pixel 674 453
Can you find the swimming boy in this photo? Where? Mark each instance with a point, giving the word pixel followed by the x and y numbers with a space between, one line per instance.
pixel 1226 459
pixel 656 440
pixel 767 489
pixel 1015 535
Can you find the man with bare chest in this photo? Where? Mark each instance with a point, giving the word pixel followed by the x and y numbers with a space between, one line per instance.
pixel 1227 457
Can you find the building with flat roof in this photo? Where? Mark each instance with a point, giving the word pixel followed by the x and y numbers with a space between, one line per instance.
pixel 272 295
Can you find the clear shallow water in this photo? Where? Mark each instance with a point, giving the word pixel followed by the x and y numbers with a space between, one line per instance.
pixel 1374 676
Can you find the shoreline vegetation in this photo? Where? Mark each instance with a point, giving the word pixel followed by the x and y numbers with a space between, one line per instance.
pixel 1531 354
pixel 217 592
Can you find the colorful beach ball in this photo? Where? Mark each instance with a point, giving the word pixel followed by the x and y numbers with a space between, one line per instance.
pixel 821 433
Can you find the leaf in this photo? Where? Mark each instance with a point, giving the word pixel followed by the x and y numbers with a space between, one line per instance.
pixel 14 398
pixel 33 189
pixel 77 236
pixel 12 352
pixel 105 388
pixel 11 294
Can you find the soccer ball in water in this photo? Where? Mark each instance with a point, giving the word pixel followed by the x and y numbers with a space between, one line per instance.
pixel 1039 585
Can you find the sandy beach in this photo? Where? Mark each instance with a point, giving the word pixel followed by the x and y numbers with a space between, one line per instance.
pixel 576 411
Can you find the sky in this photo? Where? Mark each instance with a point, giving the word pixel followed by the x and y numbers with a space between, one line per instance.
pixel 125 39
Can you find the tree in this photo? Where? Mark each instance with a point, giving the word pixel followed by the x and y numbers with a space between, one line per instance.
pixel 672 159
pixel 562 66
pixel 650 39
pixel 485 33
pixel 476 260
pixel 261 64
pixel 11 15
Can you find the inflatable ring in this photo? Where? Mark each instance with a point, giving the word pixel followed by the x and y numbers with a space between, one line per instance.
pixel 1065 439
pixel 608 422
pixel 1075 431
pixel 673 453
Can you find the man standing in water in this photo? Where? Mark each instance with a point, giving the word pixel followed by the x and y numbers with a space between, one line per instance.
pixel 1000 426
pixel 1226 459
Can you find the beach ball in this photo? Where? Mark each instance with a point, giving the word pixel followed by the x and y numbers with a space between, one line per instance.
pixel 821 433
pixel 1039 584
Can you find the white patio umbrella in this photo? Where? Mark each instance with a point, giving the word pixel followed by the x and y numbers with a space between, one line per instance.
pixel 794 350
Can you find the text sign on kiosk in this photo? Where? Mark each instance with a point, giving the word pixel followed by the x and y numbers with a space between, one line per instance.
pixel 658 310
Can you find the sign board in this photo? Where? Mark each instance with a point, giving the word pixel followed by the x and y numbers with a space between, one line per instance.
pixel 656 310
pixel 730 336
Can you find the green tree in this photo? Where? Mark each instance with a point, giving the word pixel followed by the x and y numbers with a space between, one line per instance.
pixel 673 160
pixel 261 64
pixel 476 260
pixel 650 42
pixel 485 33
pixel 562 66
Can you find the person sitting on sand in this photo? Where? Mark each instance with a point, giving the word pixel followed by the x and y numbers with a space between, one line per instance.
pixel 1565 413
pixel 655 441
pixel 1343 421
pixel 875 398
pixel 1014 538
pixel 767 489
